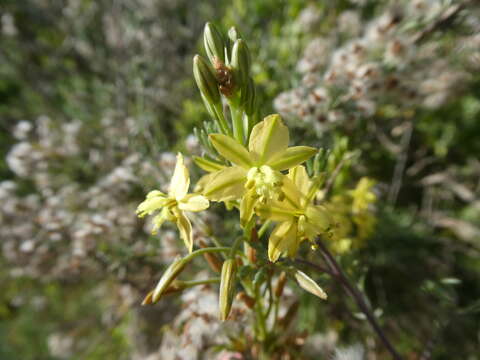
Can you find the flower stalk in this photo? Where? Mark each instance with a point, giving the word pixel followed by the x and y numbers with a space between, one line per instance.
pixel 279 191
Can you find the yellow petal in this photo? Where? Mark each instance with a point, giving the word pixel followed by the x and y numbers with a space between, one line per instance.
pixel 291 157
pixel 283 241
pixel 269 139
pixel 207 165
pixel 154 201
pixel 300 178
pixel 227 184
pixel 180 180
pixel 185 228
pixel 193 202
pixel 231 150
pixel 246 207
pixel 204 180
pixel 293 196
pixel 309 285
pixel 318 217
pixel 276 211
pixel 155 193
pixel 159 219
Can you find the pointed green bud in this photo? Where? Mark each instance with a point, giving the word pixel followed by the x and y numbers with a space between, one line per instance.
pixel 233 34
pixel 248 97
pixel 148 299
pixel 309 285
pixel 206 81
pixel 167 278
pixel 214 44
pixel 227 287
pixel 240 62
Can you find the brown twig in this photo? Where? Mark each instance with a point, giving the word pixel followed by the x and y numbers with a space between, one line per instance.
pixel 315 266
pixel 337 273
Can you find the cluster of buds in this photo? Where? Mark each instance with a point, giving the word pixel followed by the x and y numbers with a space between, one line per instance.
pixel 225 79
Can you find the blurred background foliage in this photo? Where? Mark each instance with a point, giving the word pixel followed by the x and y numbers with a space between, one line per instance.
pixel 95 95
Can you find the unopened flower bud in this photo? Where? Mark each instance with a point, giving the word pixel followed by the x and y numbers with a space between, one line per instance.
pixel 148 299
pixel 282 279
pixel 168 277
pixel 206 81
pixel 309 285
pixel 227 287
pixel 247 300
pixel 240 62
pixel 214 44
pixel 248 96
pixel 233 34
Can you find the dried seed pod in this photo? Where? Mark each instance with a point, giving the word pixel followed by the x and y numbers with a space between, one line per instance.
pixel 247 300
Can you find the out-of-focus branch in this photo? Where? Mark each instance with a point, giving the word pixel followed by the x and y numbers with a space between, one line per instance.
pixel 447 17
pixel 337 273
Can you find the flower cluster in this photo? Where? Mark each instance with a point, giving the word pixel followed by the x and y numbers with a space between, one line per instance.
pixel 250 167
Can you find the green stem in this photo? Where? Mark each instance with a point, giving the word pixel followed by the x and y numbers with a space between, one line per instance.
pixel 237 122
pixel 216 241
pixel 264 228
pixel 221 119
pixel 270 297
pixel 235 245
pixel 199 252
pixel 260 315
pixel 200 282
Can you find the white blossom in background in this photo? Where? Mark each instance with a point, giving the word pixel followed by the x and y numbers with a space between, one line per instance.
pixel 355 352
pixel 349 74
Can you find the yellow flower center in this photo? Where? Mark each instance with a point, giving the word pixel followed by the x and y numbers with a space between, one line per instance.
pixel 265 180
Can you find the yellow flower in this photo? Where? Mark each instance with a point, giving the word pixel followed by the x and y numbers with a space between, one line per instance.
pixel 362 195
pixel 173 205
pixel 297 216
pixel 255 175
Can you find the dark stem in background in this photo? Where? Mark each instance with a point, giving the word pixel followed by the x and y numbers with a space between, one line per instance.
pixel 336 272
